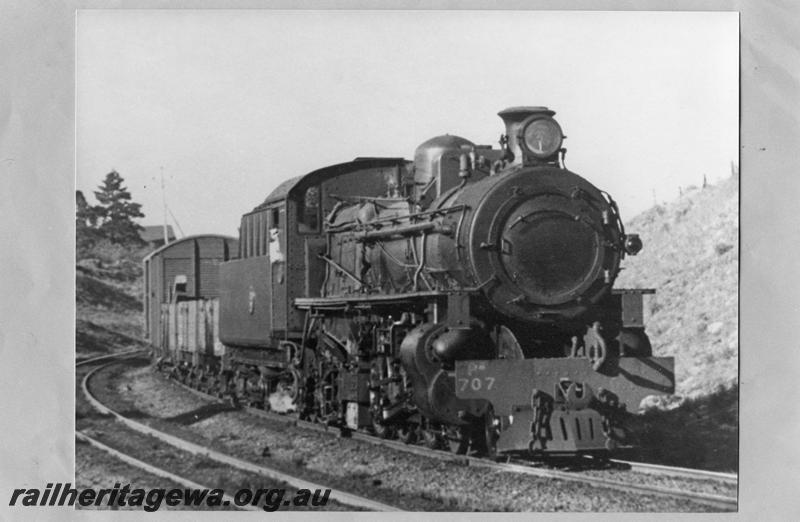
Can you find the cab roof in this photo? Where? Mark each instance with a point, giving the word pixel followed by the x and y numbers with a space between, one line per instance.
pixel 299 183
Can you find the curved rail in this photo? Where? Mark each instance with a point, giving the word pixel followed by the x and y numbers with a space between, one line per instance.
pixel 340 496
pixel 133 461
pixel 707 499
pixel 100 358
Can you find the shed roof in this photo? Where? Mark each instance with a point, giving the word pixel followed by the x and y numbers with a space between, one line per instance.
pixel 155 233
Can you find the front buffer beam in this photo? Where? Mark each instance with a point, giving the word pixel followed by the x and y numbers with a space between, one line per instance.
pixel 562 405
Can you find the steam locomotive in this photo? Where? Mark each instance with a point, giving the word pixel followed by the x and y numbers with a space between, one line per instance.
pixel 462 300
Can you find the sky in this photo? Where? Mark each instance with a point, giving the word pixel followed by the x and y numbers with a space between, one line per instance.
pixel 230 103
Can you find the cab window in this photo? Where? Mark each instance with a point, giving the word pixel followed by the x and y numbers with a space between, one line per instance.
pixel 308 211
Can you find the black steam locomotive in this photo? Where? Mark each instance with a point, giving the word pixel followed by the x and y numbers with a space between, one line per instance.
pixel 462 300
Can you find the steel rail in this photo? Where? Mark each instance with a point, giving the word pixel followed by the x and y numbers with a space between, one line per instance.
pixel 140 464
pixel 673 471
pixel 298 483
pixel 716 501
pixel 100 358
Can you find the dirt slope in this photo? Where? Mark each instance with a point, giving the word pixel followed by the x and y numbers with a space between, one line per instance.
pixel 690 257
pixel 108 309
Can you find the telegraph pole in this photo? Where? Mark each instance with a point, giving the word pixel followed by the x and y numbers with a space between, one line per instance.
pixel 164 201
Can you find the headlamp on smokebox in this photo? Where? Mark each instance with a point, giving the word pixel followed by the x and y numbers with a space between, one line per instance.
pixel 541 136
pixel 633 244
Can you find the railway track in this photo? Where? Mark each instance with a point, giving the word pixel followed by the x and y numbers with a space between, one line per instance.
pixel 715 501
pixel 659 469
pixel 342 497
pixel 721 502
pixel 109 357
pixel 155 470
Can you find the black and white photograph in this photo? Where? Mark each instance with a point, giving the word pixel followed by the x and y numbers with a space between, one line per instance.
pixel 440 261
pixel 352 250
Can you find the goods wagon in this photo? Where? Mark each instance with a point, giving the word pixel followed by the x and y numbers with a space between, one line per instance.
pixel 181 305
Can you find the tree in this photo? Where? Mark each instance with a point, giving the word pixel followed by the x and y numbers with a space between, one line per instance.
pixel 116 212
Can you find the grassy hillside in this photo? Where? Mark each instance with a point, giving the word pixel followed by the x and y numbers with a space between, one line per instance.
pixel 108 287
pixel 690 257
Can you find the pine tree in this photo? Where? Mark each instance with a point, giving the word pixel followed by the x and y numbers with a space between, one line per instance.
pixel 116 212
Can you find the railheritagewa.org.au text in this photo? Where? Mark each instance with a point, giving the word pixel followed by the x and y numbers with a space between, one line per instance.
pixel 63 494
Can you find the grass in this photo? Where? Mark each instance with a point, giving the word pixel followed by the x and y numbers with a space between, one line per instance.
pixel 108 282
